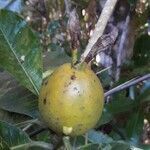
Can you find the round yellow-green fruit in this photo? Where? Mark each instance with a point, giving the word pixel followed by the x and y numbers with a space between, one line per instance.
pixel 71 100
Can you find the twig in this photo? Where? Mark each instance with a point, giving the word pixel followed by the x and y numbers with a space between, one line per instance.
pixel 42 9
pixel 66 140
pixel 27 127
pixel 121 45
pixel 126 85
pixel 99 27
pixel 67 6
pixel 103 70
pixel 37 132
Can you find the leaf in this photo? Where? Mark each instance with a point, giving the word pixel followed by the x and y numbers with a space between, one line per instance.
pixel 20 100
pixel 3 145
pixel 16 139
pixel 43 136
pixel 134 127
pixel 105 118
pixel 20 52
pixel 78 141
pixel 12 117
pixel 117 106
pixel 34 145
pixel 119 145
pixel 145 96
pixel 89 147
pixel 98 137
pixel 53 59
pixel 132 2
pixel 141 54
pixel 12 135
pixel 15 98
pixel 145 147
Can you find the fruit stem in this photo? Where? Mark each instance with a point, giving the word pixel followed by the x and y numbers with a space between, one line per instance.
pixel 66 140
pixel 74 56
pixel 86 138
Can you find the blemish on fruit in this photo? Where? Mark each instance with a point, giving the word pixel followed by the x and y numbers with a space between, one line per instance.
pixel 73 77
pixel 44 101
pixel 46 82
pixel 67 84
pixel 82 108
pixel 65 90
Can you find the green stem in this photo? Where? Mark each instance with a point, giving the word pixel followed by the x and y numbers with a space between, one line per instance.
pixel 74 56
pixel 86 138
pixel 66 140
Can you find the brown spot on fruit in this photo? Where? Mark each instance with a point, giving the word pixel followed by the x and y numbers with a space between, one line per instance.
pixel 44 101
pixel 82 108
pixel 67 84
pixel 73 77
pixel 45 83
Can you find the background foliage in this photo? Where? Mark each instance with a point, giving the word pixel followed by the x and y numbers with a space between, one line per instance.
pixel 34 41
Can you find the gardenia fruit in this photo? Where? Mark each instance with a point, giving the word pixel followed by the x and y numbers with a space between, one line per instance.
pixel 71 100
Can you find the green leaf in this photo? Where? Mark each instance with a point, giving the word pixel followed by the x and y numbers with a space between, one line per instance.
pixel 34 145
pixel 145 147
pixel 145 96
pixel 3 145
pixel 12 135
pixel 20 52
pixel 89 147
pixel 53 59
pixel 119 145
pixel 98 137
pixel 78 141
pixel 12 117
pixel 132 2
pixel 105 118
pixel 20 100
pixel 43 136
pixel 119 105
pixel 134 127
pixel 141 54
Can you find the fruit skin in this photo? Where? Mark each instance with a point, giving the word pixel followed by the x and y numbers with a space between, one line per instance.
pixel 71 98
